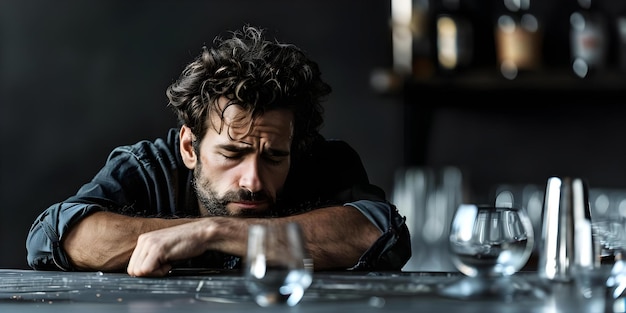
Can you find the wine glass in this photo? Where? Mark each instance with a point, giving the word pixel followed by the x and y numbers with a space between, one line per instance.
pixel 277 267
pixel 488 244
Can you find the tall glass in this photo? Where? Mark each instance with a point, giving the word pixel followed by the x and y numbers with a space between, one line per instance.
pixel 277 267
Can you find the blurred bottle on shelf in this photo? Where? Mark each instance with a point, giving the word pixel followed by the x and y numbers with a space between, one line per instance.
pixel 454 37
pixel 410 38
pixel 588 39
pixel 411 46
pixel 518 37
pixel 422 63
pixel 402 36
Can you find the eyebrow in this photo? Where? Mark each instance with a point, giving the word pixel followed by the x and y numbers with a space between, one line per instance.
pixel 247 148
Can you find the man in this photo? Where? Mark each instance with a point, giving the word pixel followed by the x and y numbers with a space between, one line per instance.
pixel 248 150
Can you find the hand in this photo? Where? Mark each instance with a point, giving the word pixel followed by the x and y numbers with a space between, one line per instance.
pixel 156 250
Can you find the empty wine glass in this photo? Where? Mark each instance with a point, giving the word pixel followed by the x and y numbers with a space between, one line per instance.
pixel 489 244
pixel 277 267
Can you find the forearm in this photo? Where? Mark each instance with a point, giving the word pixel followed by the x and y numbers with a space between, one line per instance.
pixel 337 236
pixel 104 241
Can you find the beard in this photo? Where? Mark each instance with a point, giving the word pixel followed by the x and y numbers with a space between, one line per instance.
pixel 215 205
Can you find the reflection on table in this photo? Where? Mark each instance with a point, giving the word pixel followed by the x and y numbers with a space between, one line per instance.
pixel 211 290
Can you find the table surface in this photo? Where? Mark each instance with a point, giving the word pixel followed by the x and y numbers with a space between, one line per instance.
pixel 219 291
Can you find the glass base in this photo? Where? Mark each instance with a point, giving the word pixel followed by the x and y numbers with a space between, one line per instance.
pixel 506 288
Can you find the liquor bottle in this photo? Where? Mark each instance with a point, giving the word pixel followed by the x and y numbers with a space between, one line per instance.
pixel 518 39
pixel 423 61
pixel 454 37
pixel 588 39
pixel 410 47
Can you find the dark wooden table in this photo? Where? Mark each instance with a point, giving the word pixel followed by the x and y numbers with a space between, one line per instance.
pixel 217 291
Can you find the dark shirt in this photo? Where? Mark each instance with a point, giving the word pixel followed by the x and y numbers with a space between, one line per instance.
pixel 149 179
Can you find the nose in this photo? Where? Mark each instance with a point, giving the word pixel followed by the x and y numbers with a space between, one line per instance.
pixel 250 178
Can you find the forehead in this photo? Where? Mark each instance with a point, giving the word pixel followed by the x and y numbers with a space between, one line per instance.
pixel 233 121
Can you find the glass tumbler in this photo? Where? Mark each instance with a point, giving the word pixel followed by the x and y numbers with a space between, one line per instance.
pixel 277 268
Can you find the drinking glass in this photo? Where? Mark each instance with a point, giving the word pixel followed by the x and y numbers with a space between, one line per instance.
pixel 608 217
pixel 277 267
pixel 488 244
pixel 427 197
pixel 608 220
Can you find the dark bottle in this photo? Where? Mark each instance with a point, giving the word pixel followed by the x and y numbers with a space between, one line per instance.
pixel 518 38
pixel 588 39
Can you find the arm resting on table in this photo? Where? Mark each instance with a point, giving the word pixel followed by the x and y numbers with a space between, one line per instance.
pixel 338 237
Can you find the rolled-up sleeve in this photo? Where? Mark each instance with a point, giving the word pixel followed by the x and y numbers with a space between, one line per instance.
pixel 43 244
pixel 393 248
pixel 139 180
pixel 145 179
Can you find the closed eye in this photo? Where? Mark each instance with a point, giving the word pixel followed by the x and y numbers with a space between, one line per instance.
pixel 272 156
pixel 231 156
pixel 273 160
pixel 275 156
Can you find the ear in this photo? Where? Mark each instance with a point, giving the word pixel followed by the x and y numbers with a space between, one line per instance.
pixel 186 147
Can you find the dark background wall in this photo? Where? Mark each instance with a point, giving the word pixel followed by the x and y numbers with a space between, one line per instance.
pixel 78 78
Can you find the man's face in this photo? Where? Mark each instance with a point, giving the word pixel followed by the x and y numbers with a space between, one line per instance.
pixel 241 168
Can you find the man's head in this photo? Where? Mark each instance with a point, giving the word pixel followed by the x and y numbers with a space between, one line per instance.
pixel 241 167
pixel 259 75
pixel 246 107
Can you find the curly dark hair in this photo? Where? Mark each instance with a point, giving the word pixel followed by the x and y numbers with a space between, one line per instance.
pixel 257 74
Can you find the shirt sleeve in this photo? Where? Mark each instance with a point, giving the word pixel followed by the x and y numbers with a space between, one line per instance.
pixel 44 238
pixel 393 248
pixel 105 192
pixel 139 180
